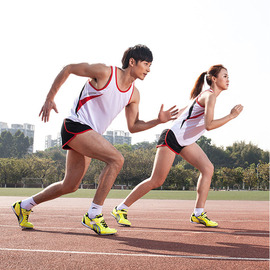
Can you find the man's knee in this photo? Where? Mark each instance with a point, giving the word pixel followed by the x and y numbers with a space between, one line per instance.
pixel 117 160
pixel 69 188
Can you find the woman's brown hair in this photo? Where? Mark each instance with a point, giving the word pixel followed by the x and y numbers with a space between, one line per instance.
pixel 212 72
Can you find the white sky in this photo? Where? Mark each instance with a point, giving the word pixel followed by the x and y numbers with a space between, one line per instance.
pixel 186 38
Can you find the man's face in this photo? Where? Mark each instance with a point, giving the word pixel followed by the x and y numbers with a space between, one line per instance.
pixel 141 69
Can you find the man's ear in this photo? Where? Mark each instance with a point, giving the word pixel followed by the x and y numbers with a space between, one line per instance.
pixel 132 62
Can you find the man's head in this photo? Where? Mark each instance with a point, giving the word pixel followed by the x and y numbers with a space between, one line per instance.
pixel 137 53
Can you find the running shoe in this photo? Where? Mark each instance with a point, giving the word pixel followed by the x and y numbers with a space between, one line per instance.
pixel 203 219
pixel 121 216
pixel 98 225
pixel 22 215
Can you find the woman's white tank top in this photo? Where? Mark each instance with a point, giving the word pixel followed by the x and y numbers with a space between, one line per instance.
pixel 189 127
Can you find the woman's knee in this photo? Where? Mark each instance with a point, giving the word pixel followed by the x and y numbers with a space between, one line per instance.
pixel 156 183
pixel 208 169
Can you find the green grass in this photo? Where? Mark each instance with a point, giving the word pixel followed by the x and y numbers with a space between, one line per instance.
pixel 154 194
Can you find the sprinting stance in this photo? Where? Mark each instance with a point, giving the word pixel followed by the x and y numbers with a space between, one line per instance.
pixel 104 95
pixel 181 139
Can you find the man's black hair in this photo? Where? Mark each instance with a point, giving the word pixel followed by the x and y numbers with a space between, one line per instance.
pixel 138 53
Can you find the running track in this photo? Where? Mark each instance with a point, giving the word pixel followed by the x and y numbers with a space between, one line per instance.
pixel 161 237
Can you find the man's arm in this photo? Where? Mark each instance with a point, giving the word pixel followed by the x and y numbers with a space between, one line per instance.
pixel 137 125
pixel 99 72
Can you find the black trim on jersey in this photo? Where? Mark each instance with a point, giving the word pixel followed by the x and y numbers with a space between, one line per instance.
pixel 76 110
pixel 189 113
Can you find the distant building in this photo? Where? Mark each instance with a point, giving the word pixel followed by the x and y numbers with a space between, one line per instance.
pixel 118 137
pixel 49 142
pixel 27 129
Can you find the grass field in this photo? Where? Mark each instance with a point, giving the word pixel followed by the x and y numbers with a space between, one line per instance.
pixel 154 194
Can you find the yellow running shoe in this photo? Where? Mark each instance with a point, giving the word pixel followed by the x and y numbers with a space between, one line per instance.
pixel 22 215
pixel 203 219
pixel 121 217
pixel 98 225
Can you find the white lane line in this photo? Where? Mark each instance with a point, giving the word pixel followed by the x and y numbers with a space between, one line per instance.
pixel 158 219
pixel 149 230
pixel 135 254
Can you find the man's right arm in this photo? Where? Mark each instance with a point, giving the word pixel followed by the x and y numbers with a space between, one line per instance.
pixel 100 72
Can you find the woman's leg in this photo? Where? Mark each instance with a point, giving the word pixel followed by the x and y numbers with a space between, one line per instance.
pixel 162 165
pixel 194 155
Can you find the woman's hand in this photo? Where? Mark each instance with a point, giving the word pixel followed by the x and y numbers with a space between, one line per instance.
pixel 236 110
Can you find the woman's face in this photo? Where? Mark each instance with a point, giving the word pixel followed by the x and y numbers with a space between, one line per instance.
pixel 222 80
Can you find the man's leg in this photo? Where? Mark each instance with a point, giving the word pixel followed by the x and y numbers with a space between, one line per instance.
pixel 93 145
pixel 76 167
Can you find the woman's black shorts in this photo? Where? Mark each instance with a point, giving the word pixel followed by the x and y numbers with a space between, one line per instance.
pixel 167 138
pixel 70 130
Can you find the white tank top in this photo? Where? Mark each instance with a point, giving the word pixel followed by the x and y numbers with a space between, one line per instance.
pixel 189 127
pixel 98 107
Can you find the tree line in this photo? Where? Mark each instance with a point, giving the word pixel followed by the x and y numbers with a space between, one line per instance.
pixel 240 166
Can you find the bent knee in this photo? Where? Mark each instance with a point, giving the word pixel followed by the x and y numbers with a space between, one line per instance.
pixel 208 169
pixel 156 183
pixel 117 160
pixel 69 188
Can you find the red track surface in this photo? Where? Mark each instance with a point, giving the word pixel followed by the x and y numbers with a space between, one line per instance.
pixel 161 237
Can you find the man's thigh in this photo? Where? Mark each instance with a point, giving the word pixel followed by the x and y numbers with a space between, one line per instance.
pixel 93 145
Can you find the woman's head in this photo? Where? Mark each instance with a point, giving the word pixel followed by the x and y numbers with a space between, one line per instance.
pixel 211 75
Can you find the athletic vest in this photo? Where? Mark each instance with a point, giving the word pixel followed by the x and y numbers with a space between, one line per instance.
pixel 189 127
pixel 98 107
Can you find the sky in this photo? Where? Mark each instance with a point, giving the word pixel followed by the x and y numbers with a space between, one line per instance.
pixel 38 38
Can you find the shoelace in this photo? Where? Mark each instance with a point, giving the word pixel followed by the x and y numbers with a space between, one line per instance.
pixel 103 223
pixel 205 216
pixel 125 216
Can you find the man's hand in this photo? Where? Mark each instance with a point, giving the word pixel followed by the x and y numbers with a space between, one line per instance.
pixel 46 110
pixel 165 116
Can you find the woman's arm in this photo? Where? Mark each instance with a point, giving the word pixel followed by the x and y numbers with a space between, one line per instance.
pixel 210 123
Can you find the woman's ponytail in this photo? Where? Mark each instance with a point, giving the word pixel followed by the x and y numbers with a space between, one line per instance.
pixel 212 72
pixel 197 89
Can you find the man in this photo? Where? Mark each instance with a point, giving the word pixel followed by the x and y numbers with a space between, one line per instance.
pixel 105 94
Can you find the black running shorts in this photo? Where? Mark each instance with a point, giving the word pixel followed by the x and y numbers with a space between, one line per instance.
pixel 167 138
pixel 70 130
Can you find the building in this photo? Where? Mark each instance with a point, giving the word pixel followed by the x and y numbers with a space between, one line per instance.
pixel 27 129
pixel 49 142
pixel 118 137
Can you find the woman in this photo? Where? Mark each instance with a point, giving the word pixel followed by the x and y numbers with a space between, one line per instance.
pixel 181 139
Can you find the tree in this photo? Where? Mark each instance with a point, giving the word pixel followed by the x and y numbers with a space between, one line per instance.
pixel 14 146
pixel 250 176
pixel 263 175
pixel 6 145
pixel 21 144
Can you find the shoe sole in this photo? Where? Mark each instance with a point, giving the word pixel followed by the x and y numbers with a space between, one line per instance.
pixel 125 225
pixel 96 231
pixel 194 222
pixel 24 228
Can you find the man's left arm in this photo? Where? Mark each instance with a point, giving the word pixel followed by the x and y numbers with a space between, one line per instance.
pixel 137 125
